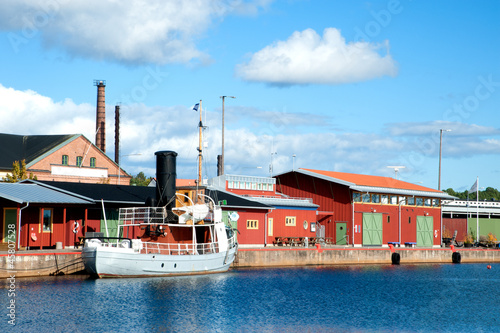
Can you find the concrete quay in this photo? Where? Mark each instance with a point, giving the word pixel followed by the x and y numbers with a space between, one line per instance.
pixel 40 263
pixel 297 256
pixel 68 261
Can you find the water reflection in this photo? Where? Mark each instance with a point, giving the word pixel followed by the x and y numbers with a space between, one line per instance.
pixel 337 298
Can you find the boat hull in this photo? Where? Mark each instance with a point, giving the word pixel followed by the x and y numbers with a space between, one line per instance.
pixel 122 262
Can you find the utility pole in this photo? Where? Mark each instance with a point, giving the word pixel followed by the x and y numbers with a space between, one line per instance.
pixel 200 155
pixel 440 153
pixel 222 156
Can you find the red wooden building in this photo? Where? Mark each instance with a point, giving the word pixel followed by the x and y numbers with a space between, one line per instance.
pixel 365 210
pixel 266 214
pixel 61 212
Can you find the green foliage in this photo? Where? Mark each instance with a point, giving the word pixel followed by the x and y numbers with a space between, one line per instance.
pixel 140 180
pixel 488 194
pixel 19 172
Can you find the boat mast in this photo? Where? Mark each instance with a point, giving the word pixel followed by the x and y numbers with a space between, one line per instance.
pixel 200 156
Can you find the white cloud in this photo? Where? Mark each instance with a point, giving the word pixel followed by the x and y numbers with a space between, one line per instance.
pixel 307 58
pixel 431 128
pixel 145 130
pixel 29 113
pixel 135 31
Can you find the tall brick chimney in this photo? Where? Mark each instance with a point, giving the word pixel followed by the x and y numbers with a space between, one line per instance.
pixel 117 134
pixel 100 126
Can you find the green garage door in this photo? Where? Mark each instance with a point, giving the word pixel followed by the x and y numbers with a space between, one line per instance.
pixel 10 219
pixel 425 226
pixel 372 229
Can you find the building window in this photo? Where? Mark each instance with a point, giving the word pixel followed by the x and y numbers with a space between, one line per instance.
pixel 252 224
pixel 388 219
pixel 65 160
pixel 264 187
pixel 411 201
pixel 270 187
pixel 270 226
pixel 47 220
pixel 384 199
pixel 92 162
pixel 375 198
pixel 356 197
pixel 259 186
pixel 79 160
pixel 366 197
pixel 427 202
pixel 394 199
pixel 230 184
pixel 420 201
pixel 254 186
pixel 435 202
pixel 409 220
pixel 290 221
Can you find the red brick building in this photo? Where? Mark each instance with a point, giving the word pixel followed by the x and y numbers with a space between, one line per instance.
pixel 64 158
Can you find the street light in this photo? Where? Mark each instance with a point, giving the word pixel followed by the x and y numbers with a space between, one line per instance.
pixel 271 165
pixel 222 156
pixel 440 153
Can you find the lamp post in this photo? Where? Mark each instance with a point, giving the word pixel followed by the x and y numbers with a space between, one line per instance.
pixel 222 156
pixel 440 154
pixel 271 165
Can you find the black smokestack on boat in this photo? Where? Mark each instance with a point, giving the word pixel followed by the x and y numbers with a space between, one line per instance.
pixel 165 178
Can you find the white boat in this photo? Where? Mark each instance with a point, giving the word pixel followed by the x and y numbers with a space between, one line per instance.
pixel 196 241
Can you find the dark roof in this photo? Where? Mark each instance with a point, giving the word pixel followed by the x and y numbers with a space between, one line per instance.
pixel 109 193
pixel 234 201
pixel 27 147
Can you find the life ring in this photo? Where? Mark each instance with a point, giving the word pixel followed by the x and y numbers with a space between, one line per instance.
pixel 77 227
pixel 33 237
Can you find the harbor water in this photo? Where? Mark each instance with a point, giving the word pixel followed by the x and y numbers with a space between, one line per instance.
pixel 368 298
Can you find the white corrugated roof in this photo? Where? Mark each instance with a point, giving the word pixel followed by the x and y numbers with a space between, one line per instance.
pixel 372 189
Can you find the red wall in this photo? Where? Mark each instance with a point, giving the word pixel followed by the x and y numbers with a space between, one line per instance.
pixel 460 225
pixel 282 230
pixel 391 229
pixel 333 199
pixel 251 236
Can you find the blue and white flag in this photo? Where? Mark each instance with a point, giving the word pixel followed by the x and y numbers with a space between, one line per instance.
pixel 196 106
pixel 474 187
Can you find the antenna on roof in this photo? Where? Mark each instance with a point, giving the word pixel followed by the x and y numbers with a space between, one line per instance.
pixel 396 169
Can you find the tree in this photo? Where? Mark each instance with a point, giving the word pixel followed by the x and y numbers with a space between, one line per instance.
pixel 140 180
pixel 19 172
pixel 488 194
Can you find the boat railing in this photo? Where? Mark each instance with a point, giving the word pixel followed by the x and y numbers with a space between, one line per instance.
pixel 107 242
pixel 179 248
pixel 141 215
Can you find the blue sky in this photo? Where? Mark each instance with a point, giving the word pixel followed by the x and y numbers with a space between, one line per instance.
pixel 351 86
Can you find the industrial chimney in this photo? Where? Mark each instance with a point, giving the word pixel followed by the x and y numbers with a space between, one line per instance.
pixel 100 126
pixel 117 134
pixel 166 175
